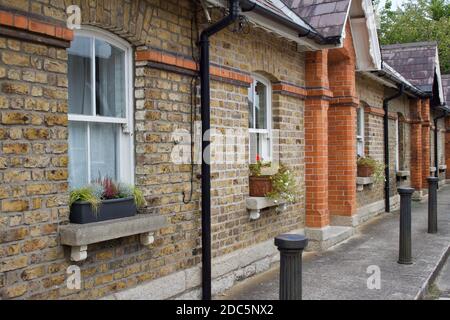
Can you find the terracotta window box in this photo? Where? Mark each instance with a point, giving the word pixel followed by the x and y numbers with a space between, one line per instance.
pixel 259 186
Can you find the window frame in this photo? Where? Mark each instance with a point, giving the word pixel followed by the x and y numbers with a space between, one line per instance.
pixel 360 130
pixel 257 78
pixel 440 145
pixel 126 154
pixel 397 144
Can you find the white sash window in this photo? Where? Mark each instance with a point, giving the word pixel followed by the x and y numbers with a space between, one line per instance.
pixel 360 132
pixel 260 119
pixel 100 108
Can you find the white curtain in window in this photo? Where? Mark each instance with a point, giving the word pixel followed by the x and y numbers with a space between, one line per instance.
pixel 110 80
pixel 104 157
pixel 80 76
pixel 78 154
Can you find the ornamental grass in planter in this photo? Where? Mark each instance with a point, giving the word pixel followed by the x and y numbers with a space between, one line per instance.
pixel 104 200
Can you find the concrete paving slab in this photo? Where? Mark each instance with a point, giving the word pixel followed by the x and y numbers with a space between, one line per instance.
pixel 342 271
pixel 443 281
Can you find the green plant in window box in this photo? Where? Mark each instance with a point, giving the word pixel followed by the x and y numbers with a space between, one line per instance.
pixel 104 199
pixel 284 186
pixel 369 167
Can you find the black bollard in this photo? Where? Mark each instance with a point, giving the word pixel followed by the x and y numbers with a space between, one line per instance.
pixel 291 249
pixel 432 204
pixel 405 225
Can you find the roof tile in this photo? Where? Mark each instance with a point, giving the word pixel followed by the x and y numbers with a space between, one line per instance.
pixel 415 61
pixel 326 16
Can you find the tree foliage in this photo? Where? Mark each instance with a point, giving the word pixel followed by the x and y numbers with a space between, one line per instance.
pixel 418 20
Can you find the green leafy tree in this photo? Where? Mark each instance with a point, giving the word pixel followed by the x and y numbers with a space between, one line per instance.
pixel 418 20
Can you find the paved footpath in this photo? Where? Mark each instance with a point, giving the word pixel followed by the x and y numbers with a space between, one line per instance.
pixel 341 272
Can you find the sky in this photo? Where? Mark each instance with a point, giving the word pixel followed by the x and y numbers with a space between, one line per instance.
pixel 395 3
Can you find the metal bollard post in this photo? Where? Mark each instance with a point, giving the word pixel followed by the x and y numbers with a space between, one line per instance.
pixel 291 249
pixel 432 204
pixel 405 225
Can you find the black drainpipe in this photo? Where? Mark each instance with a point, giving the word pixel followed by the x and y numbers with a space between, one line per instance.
pixel 233 13
pixel 436 160
pixel 386 147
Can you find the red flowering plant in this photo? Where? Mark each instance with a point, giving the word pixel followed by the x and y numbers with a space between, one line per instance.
pixel 110 189
pixel 255 168
pixel 106 189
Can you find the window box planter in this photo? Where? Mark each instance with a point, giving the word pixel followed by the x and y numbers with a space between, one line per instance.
pixel 82 212
pixel 365 170
pixel 259 186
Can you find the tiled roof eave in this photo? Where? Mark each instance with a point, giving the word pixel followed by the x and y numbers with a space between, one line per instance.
pixel 389 73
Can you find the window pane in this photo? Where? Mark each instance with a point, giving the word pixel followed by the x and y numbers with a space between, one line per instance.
pixel 259 147
pixel 110 80
pixel 104 155
pixel 79 76
pixel 360 147
pixel 78 154
pixel 251 122
pixel 360 122
pixel 260 105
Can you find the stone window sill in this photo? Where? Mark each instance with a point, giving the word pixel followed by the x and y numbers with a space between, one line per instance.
pixel 256 204
pixel 363 181
pixel 79 236
pixel 403 174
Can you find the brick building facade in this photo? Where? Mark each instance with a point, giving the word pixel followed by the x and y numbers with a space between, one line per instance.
pixel 315 93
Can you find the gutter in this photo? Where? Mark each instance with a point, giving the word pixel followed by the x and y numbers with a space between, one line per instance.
pixel 399 80
pixel 233 13
pixel 386 145
pixel 309 33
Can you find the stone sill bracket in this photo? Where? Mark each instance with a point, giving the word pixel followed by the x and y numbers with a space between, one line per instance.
pixel 256 204
pixel 79 253
pixel 79 236
pixel 403 175
pixel 363 181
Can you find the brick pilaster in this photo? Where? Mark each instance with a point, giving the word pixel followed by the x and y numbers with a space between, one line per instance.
pixel 416 144
pixel 316 139
pixel 342 138
pixel 426 124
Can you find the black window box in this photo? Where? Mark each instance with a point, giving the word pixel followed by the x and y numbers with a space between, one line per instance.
pixel 82 212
